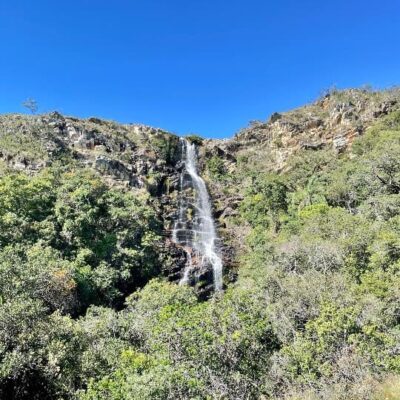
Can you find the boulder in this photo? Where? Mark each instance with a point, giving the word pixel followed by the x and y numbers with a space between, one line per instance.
pixel 339 143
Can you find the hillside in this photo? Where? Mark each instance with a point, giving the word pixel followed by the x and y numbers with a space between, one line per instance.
pixel 307 209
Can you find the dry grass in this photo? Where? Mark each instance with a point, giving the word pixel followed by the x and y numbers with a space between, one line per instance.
pixel 389 389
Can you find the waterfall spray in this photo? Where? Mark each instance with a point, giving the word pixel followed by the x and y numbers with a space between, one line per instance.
pixel 196 235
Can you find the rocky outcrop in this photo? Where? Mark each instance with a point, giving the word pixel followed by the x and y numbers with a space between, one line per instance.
pixel 333 121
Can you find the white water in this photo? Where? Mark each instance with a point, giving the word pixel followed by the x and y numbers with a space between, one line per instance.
pixel 198 235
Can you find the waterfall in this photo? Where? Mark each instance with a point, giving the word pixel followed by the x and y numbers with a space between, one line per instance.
pixel 194 228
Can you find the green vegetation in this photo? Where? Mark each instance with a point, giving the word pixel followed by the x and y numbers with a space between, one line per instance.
pixel 167 146
pixel 67 242
pixel 23 145
pixel 106 236
pixel 325 251
pixel 196 139
pixel 314 313
pixel 216 168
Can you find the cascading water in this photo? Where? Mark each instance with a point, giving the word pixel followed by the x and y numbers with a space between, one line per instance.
pixel 194 229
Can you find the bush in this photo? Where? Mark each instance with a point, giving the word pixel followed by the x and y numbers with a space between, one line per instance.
pixel 196 139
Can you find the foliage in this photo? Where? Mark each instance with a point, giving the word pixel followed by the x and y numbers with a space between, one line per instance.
pixel 219 347
pixel 314 313
pixel 167 146
pixel 67 240
pixel 330 267
pixel 196 139
pixel 216 168
pixel 265 201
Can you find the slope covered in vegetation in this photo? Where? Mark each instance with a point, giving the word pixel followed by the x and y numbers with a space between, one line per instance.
pixel 311 306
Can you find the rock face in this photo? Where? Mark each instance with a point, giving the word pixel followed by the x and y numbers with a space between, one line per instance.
pixel 131 154
pixel 331 122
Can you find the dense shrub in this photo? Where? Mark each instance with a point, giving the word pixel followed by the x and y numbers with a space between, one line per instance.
pixel 314 313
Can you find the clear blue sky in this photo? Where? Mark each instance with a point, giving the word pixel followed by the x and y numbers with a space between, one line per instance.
pixel 205 66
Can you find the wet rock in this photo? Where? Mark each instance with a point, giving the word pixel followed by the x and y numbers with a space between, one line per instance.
pixel 174 261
